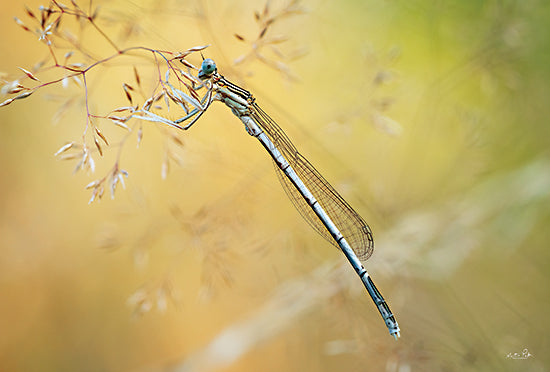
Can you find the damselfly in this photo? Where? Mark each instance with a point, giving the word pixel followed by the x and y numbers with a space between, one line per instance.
pixel 316 200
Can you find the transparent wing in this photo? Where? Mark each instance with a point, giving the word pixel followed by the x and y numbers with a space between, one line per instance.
pixel 357 233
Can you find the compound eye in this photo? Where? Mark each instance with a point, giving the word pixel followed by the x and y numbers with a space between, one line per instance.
pixel 208 67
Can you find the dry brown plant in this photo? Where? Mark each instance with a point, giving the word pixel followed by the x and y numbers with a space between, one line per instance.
pixel 153 84
pixel 169 86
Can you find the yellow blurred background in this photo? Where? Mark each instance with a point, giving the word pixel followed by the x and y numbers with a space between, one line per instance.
pixel 430 117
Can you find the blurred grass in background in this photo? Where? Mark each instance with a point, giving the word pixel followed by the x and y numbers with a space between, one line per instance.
pixel 429 117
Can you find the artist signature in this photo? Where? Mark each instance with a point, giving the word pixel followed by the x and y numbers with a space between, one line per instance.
pixel 524 355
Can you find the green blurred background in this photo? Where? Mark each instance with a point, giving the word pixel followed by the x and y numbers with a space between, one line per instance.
pixel 430 117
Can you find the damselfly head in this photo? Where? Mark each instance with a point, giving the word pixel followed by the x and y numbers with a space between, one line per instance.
pixel 208 68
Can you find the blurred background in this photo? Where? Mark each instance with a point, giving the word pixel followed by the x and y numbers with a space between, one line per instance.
pixel 430 118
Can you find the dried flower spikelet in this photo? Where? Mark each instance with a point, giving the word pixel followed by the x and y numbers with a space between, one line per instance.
pixel 101 135
pixel 148 103
pixel 173 98
pixel 29 74
pixel 64 148
pixel 277 39
pixel 181 55
pixel 166 100
pixel 24 95
pixel 124 108
pixel 121 174
pixel 97 191
pixel 30 13
pixel 12 87
pixel 70 156
pixel 189 77
pixel 137 297
pixel 61 6
pixel 91 164
pixel 188 64
pixel 127 88
pixel 93 184
pixel 114 182
pixel 145 306
pixel 136 76
pixel 195 95
pixel 45 33
pixel 68 55
pixel 140 301
pixel 98 146
pixel 86 161
pixel 158 96
pixel 197 48
pixel 119 121
pixel 21 24
pixel 94 195
pixel 95 13
pixel 77 66
pixel 7 102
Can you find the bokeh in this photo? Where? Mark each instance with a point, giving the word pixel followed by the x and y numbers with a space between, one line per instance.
pixel 431 119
